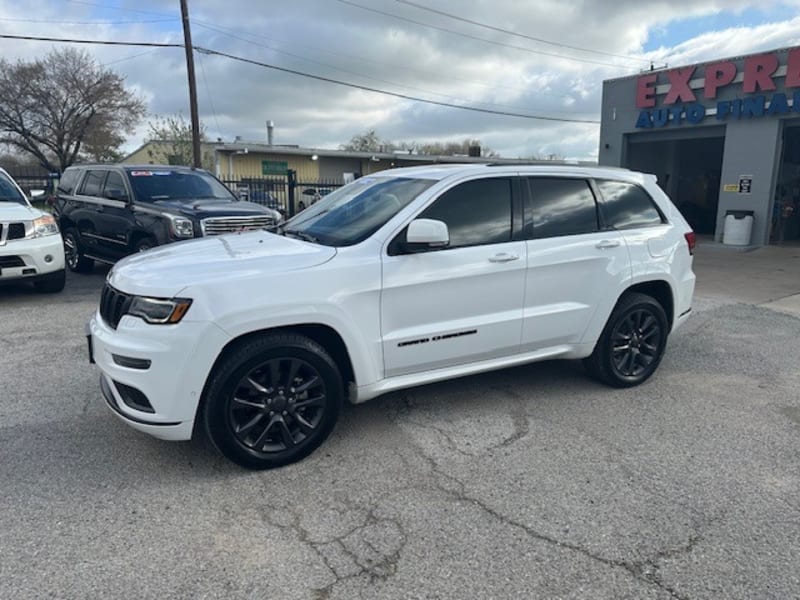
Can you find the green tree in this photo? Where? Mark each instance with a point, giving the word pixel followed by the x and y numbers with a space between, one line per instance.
pixel 65 107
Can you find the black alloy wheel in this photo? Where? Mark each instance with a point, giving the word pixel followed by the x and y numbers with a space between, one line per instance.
pixel 632 344
pixel 277 405
pixel 636 341
pixel 273 400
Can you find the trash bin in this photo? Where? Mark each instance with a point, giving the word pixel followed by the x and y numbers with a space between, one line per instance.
pixel 738 227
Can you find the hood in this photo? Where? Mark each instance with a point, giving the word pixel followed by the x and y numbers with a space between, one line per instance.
pixel 12 211
pixel 165 271
pixel 201 209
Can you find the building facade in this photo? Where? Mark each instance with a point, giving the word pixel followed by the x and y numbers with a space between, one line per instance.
pixel 721 136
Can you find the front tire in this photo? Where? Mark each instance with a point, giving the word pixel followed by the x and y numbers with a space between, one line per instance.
pixel 632 343
pixel 76 261
pixel 144 244
pixel 273 401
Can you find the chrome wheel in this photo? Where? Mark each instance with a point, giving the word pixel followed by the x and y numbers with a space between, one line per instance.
pixel 277 405
pixel 71 251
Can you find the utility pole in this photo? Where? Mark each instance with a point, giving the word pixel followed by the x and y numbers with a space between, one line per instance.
pixel 187 42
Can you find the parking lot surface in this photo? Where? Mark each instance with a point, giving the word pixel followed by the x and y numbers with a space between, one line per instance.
pixel 523 483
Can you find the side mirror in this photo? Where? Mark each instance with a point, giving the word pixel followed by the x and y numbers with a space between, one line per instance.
pixel 37 194
pixel 426 234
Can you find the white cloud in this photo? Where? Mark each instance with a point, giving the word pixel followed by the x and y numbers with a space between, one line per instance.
pixel 334 40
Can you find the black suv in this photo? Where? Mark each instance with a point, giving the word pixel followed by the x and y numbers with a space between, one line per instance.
pixel 109 211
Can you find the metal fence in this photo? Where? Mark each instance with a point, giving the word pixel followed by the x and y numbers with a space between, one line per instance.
pixel 30 179
pixel 283 192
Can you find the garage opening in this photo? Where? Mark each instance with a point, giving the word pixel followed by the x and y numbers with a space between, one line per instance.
pixel 688 170
pixel 786 206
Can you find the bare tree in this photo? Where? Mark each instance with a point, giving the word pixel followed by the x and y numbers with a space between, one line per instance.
pixel 172 141
pixel 55 107
pixel 369 141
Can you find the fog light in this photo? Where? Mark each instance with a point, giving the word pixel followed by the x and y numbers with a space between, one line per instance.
pixel 48 258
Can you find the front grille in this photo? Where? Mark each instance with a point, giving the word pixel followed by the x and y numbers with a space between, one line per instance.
pixel 220 225
pixel 16 231
pixel 11 231
pixel 9 262
pixel 113 305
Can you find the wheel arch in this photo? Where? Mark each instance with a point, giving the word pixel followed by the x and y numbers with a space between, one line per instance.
pixel 661 291
pixel 325 335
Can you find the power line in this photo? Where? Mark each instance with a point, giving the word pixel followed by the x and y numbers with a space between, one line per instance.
pixel 35 38
pixel 395 94
pixel 303 74
pixel 208 92
pixel 330 66
pixel 56 22
pixel 522 35
pixel 234 32
pixel 123 8
pixel 480 39
pixel 119 60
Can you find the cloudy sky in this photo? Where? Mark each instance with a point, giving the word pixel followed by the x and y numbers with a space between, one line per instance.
pixel 551 63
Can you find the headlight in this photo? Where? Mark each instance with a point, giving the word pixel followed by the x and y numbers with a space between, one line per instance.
pixel 181 227
pixel 43 226
pixel 159 312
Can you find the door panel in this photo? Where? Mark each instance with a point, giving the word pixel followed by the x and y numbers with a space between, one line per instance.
pixel 570 280
pixel 452 307
pixel 575 270
pixel 461 304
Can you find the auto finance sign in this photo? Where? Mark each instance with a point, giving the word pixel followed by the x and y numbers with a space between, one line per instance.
pixel 677 101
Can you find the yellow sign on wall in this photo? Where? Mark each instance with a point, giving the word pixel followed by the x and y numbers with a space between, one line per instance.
pixel 730 187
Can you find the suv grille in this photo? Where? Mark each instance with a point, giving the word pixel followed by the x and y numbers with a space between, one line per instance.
pixel 12 231
pixel 219 225
pixel 9 262
pixel 113 305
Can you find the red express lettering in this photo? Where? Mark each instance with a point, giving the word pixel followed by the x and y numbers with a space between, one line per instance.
pixel 758 71
pixel 679 90
pixel 646 91
pixel 718 75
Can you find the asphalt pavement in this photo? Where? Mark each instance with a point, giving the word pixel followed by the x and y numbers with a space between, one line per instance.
pixel 531 482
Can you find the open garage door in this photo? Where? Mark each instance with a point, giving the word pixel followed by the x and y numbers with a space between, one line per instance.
pixel 689 170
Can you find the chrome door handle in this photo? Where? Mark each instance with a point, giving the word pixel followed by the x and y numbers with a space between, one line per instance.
pixel 503 257
pixel 608 244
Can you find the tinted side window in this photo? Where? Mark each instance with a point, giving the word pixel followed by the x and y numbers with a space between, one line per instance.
pixel 476 212
pixel 114 182
pixel 92 183
pixel 66 184
pixel 562 207
pixel 626 205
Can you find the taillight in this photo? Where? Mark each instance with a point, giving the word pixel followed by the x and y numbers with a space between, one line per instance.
pixel 691 241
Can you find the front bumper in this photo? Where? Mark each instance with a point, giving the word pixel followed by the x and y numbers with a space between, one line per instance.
pixel 33 253
pixel 166 366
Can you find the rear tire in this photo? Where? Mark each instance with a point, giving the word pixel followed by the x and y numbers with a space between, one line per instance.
pixel 273 401
pixel 73 253
pixel 632 344
pixel 51 283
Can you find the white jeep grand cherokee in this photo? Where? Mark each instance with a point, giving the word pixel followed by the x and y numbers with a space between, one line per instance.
pixel 30 244
pixel 403 278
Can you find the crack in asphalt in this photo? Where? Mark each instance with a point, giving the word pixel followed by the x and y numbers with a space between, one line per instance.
pixel 646 571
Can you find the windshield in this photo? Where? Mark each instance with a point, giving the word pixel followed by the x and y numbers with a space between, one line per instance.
pixel 354 212
pixel 165 184
pixel 9 191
